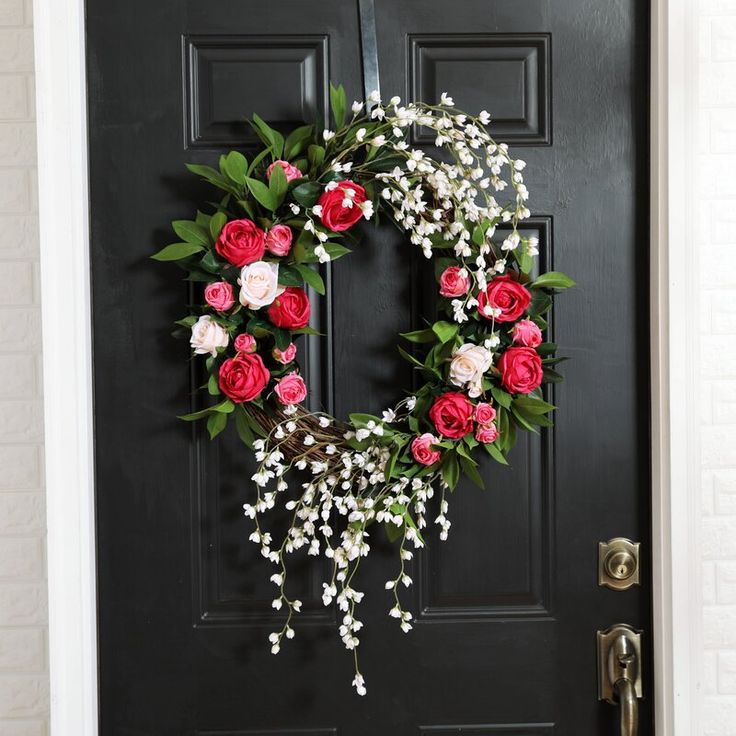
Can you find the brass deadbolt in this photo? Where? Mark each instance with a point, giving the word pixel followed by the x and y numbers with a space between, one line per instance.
pixel 618 563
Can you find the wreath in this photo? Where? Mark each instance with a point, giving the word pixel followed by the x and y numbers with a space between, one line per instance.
pixel 483 360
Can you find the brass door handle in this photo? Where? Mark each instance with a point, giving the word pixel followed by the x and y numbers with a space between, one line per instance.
pixel 619 673
pixel 629 704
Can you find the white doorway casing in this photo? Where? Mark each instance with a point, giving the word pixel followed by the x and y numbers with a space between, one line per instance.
pixel 67 352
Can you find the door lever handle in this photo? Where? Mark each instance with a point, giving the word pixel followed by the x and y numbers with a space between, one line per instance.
pixel 619 673
pixel 629 704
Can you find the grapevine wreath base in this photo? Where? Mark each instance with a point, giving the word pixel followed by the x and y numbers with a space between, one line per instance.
pixel 483 360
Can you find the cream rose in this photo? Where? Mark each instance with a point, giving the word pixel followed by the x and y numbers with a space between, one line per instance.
pixel 469 363
pixel 259 284
pixel 207 336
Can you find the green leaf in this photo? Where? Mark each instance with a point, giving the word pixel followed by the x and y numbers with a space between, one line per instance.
pixel 531 405
pixel 541 302
pixel 258 160
pixel 290 276
pixel 339 103
pixel 420 336
pixel 450 470
pixel 277 184
pixel 523 420
pixel 236 166
pixel 242 425
pixel 215 424
pixel 553 280
pixel 502 397
pixel 177 252
pixel 269 136
pixel 307 331
pixel 294 144
pixel 391 462
pixel 393 532
pixel 211 263
pixel 410 358
pixel 470 469
pixel 210 175
pixel 361 420
pixel 552 376
pixel 217 222
pixel 335 250
pixel 526 262
pixel 224 407
pixel 191 232
pixel 262 194
pixel 495 453
pixel 547 348
pixel 213 388
pixel 281 337
pixel 316 155
pixel 445 331
pixel 307 194
pixel 312 277
pixel 202 219
pixel 186 321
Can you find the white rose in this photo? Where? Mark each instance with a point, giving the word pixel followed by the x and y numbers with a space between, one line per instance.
pixel 469 363
pixel 207 336
pixel 259 284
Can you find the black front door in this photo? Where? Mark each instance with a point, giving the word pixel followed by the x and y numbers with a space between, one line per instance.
pixel 506 610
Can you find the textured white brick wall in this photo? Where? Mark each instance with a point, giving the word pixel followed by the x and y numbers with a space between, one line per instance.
pixel 23 610
pixel 715 185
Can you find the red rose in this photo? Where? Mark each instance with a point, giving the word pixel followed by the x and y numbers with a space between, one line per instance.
pixel 521 370
pixel 341 205
pixel 452 414
pixel 291 309
pixel 506 294
pixel 243 377
pixel 241 242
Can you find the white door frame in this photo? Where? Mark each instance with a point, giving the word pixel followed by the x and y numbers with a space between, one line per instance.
pixel 67 359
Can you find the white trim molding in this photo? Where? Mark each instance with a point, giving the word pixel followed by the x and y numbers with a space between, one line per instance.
pixel 67 357
pixel 674 349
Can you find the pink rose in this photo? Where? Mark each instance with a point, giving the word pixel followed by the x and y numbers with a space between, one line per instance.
pixel 291 389
pixel 526 333
pixel 219 296
pixel 245 343
pixel 290 170
pixel 486 433
pixel 484 413
pixel 421 449
pixel 452 414
pixel 521 370
pixel 285 356
pixel 454 281
pixel 278 240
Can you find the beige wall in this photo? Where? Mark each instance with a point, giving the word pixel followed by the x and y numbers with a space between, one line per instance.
pixel 23 611
pixel 715 240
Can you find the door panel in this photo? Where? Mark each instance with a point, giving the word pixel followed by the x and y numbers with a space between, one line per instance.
pixel 507 609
